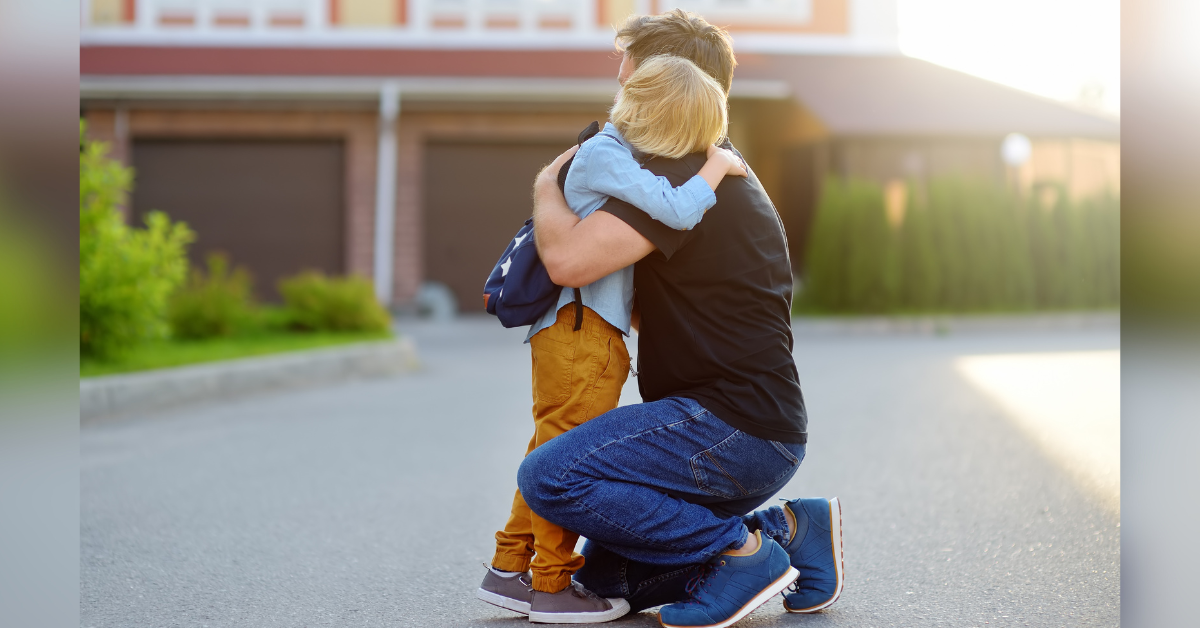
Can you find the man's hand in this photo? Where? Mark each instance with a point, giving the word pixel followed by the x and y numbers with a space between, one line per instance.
pixel 549 174
pixel 549 205
pixel 577 252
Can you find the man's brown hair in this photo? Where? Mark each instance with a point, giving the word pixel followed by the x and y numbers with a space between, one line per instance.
pixel 681 34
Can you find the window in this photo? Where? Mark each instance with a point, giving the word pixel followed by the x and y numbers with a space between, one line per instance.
pixel 368 13
pixel 112 12
pixel 776 13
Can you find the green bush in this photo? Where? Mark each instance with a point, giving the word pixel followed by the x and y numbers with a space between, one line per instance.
pixel 964 245
pixel 126 274
pixel 920 265
pixel 212 305
pixel 1077 250
pixel 1103 224
pixel 853 264
pixel 978 241
pixel 319 303
pixel 824 285
pixel 872 274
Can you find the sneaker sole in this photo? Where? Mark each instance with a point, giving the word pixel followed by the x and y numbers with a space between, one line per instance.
pixel 835 526
pixel 619 608
pixel 507 603
pixel 774 588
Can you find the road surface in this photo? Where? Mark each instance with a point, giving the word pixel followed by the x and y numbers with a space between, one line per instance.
pixel 374 503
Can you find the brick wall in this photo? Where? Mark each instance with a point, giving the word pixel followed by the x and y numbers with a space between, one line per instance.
pixel 356 129
pixel 417 128
pixel 359 131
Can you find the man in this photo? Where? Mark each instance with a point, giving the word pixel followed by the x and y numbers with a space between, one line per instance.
pixel 661 489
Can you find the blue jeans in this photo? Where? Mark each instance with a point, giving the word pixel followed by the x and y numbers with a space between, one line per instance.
pixel 656 488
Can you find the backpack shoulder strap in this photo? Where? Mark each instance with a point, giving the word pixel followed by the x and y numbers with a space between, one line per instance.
pixel 578 310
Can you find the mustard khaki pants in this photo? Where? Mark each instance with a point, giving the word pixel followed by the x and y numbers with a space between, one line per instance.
pixel 577 376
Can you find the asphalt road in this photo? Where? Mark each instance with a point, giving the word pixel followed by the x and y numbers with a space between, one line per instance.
pixel 374 503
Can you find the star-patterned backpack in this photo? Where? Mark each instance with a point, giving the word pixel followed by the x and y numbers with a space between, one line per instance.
pixel 519 289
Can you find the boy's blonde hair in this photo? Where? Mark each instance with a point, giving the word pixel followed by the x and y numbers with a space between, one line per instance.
pixel 669 107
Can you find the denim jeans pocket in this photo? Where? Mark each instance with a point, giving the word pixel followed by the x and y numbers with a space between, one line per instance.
pixel 741 465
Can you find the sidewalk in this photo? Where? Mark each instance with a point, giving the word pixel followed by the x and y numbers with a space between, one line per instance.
pixel 953 324
pixel 160 389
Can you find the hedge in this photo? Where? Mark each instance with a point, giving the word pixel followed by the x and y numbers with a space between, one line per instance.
pixel 963 246
pixel 126 274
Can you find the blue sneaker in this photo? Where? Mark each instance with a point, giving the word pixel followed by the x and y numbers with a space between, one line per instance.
pixel 730 587
pixel 816 552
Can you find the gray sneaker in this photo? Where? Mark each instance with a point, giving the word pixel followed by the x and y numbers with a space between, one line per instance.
pixel 512 593
pixel 575 605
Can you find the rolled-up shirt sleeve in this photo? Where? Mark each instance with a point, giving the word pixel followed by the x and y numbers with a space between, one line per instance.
pixel 612 170
pixel 664 238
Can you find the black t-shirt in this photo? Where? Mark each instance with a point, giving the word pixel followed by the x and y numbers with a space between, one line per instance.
pixel 716 304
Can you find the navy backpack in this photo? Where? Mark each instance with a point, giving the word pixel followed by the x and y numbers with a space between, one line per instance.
pixel 519 290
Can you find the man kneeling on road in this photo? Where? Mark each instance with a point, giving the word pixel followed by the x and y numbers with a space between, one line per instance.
pixel 662 489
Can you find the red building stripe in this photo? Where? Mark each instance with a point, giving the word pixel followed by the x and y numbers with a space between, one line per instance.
pixel 160 60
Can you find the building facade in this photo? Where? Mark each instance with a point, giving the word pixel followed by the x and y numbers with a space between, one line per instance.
pixel 397 139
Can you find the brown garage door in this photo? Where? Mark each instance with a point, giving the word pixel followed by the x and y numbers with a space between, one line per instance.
pixel 275 207
pixel 476 197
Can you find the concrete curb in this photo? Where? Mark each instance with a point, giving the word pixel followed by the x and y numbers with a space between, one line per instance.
pixel 113 395
pixel 942 325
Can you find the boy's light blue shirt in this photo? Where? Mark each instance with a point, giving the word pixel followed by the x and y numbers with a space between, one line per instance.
pixel 605 166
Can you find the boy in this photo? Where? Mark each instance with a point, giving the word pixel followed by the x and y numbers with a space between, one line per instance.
pixel 668 107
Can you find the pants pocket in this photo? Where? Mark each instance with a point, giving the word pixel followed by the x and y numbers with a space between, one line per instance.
pixel 553 362
pixel 742 465
pixel 616 367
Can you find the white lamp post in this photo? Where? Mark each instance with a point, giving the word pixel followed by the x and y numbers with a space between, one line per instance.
pixel 1016 149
